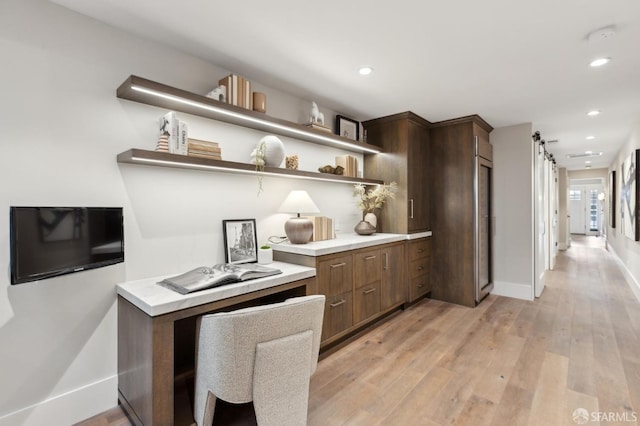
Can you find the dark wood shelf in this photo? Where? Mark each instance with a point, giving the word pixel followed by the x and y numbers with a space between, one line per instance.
pixel 148 92
pixel 164 159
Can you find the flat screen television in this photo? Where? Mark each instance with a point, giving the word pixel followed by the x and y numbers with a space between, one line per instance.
pixel 51 241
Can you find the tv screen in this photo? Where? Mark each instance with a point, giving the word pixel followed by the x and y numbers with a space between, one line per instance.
pixel 51 241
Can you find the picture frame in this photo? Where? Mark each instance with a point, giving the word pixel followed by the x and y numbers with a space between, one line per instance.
pixel 612 199
pixel 347 128
pixel 240 240
pixel 630 196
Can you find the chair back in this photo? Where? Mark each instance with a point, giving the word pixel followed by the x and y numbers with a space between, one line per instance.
pixel 228 344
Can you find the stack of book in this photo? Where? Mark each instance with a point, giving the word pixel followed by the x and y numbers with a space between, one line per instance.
pixel 174 132
pixel 323 228
pixel 349 163
pixel 204 149
pixel 238 91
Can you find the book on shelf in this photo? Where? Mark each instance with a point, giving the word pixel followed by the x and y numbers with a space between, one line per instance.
pixel 238 90
pixel 170 128
pixel 204 154
pixel 195 144
pixel 349 163
pixel 203 142
pixel 218 275
pixel 183 137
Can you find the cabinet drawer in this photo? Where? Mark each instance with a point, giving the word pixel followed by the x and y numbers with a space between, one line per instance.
pixel 420 248
pixel 368 267
pixel 418 287
pixel 335 276
pixel 338 314
pixel 419 267
pixel 367 302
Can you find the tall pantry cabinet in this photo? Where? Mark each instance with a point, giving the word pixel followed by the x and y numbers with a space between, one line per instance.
pixel 404 139
pixel 461 213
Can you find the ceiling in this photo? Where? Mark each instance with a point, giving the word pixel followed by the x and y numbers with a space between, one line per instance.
pixel 509 62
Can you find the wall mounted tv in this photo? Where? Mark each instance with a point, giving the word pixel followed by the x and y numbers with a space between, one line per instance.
pixel 51 241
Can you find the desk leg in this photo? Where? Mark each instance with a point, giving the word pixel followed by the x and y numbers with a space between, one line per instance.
pixel 145 365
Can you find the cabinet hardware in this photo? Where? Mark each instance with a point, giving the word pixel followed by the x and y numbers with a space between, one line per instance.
pixel 371 290
pixel 411 203
pixel 386 260
pixel 370 257
pixel 420 268
pixel 420 286
pixel 420 250
pixel 337 265
pixel 334 305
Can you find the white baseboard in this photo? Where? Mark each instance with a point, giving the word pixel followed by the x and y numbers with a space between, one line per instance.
pixel 563 246
pixel 517 291
pixel 634 285
pixel 68 408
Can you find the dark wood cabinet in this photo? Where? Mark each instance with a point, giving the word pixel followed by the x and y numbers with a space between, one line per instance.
pixel 457 147
pixel 335 280
pixel 419 268
pixel 404 138
pixel 393 283
pixel 361 286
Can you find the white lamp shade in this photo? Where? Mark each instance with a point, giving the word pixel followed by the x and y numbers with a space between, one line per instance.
pixel 298 202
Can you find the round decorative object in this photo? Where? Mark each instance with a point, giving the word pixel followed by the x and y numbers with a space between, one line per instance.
pixel 273 150
pixel 371 218
pixel 364 228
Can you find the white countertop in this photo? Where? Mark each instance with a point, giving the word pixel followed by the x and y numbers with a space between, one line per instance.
pixel 155 300
pixel 344 242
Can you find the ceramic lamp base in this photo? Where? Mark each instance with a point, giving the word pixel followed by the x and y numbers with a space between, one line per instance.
pixel 299 230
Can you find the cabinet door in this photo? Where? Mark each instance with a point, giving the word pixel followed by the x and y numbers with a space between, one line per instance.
pixel 367 302
pixel 418 178
pixel 419 286
pixel 393 287
pixel 367 267
pixel 335 275
pixel 338 314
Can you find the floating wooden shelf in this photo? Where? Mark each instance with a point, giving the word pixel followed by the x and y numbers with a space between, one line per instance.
pixel 164 159
pixel 149 92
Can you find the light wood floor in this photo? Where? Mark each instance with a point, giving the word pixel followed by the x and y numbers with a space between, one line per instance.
pixel 505 362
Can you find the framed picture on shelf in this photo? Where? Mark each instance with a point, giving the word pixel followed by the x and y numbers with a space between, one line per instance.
pixel 240 241
pixel 347 128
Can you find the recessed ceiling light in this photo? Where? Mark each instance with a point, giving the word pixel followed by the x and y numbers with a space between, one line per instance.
pixel 365 70
pixel 599 62
pixel 588 152
pixel 587 162
pixel 590 138
pixel 593 113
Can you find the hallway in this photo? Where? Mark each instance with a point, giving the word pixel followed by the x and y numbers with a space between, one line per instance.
pixel 506 362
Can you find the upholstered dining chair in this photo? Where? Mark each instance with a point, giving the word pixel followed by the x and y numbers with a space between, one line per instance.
pixel 265 354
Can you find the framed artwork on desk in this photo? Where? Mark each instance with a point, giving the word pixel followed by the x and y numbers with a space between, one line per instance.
pixel 240 241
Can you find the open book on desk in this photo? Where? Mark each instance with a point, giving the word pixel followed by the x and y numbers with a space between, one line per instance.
pixel 224 273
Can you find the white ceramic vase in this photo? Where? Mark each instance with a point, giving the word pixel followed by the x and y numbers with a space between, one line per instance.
pixel 372 219
pixel 273 150
pixel 265 256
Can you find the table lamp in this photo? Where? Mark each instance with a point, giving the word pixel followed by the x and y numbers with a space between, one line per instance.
pixel 298 229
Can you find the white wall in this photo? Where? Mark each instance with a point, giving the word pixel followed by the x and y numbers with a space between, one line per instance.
pixel 627 251
pixel 62 127
pixel 513 207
